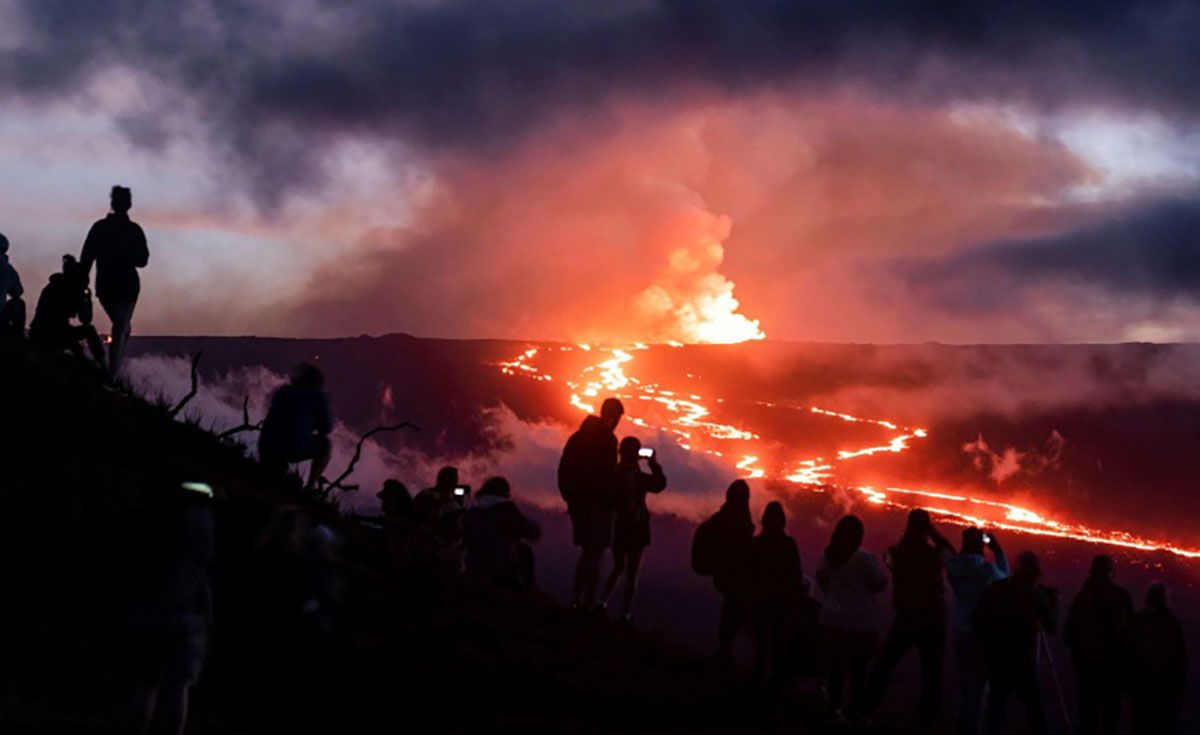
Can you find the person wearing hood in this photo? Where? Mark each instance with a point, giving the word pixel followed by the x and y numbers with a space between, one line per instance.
pixel 117 245
pixel 850 579
pixel 721 550
pixel 778 586
pixel 298 424
pixel 12 307
pixel 1011 616
pixel 1096 630
pixel 64 298
pixel 632 531
pixel 494 535
pixel 1157 664
pixel 587 474
pixel 969 573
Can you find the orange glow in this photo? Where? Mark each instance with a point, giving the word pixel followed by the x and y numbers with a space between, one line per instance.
pixel 689 420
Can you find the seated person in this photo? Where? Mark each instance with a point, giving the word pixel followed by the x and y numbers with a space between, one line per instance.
pixel 64 298
pixel 298 424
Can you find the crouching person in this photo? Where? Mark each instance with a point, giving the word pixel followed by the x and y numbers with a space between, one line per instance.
pixel 173 612
pixel 494 534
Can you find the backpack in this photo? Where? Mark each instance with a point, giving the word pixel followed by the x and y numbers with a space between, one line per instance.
pixel 706 548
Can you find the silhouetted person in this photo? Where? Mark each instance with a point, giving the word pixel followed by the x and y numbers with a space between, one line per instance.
pixel 298 424
pixel 851 579
pixel 398 516
pixel 632 531
pixel 12 307
pixel 587 482
pixel 439 532
pixel 1011 616
pixel 64 298
pixel 777 586
pixel 494 536
pixel 1095 631
pixel 721 550
pixel 172 617
pixel 969 573
pixel 918 595
pixel 1157 665
pixel 117 246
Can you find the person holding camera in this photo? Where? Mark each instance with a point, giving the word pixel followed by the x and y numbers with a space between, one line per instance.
pixel 631 534
pixel 495 532
pixel 64 298
pixel 969 573
pixel 439 511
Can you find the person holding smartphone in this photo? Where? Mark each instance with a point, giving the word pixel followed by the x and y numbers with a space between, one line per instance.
pixel 969 573
pixel 631 534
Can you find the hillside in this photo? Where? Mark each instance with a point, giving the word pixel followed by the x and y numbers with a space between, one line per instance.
pixel 80 462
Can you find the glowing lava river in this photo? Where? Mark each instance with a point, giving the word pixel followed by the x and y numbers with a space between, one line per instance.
pixel 687 416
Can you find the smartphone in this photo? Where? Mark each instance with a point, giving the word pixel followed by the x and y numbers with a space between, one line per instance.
pixel 460 491
pixel 986 539
pixel 645 452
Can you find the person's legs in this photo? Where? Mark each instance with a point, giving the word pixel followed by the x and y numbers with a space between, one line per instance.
pixel 857 667
pixel 619 558
pixel 971 679
pixel 1089 703
pixel 730 623
pixel 320 460
pixel 999 690
pixel 931 645
pixel 121 315
pixel 12 319
pixel 899 639
pixel 528 565
pixel 1029 690
pixel 171 716
pixel 633 566
pixel 93 342
pixel 1110 703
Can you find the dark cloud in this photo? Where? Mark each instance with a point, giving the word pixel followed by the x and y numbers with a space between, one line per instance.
pixel 1153 251
pixel 274 81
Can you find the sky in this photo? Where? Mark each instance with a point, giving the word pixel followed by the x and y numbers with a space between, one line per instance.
pixel 691 170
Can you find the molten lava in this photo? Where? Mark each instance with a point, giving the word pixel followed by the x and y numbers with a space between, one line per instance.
pixel 689 419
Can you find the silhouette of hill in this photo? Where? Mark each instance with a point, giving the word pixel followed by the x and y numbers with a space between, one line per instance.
pixel 81 462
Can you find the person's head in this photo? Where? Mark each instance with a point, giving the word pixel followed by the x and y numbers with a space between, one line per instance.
pixel 447 477
pixel 308 375
pixel 919 525
pixel 394 495
pixel 1157 597
pixel 121 199
pixel 611 412
pixel 1029 567
pixel 72 271
pixel 3 244
pixel 738 494
pixel 972 541
pixel 496 486
pixel 847 537
pixel 773 517
pixel 630 446
pixel 1103 567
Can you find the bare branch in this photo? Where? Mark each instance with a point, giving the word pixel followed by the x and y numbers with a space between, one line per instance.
pixel 338 483
pixel 192 393
pixel 246 424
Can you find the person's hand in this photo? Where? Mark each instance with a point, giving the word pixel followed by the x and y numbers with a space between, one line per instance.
pixel 993 542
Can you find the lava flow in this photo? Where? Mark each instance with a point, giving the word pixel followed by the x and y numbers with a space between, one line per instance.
pixel 684 414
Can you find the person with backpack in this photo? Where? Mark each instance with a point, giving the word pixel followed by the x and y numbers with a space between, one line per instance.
pixel 631 534
pixel 117 245
pixel 12 308
pixel 720 549
pixel 850 578
pixel 777 588
pixel 1157 665
pixel 64 298
pixel 587 474
pixel 919 599
pixel 1095 631
pixel 969 573
pixel 494 536
pixel 298 424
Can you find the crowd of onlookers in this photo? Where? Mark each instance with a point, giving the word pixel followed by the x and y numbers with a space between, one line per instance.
pixel 996 624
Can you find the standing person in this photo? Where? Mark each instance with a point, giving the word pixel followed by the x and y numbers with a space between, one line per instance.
pixel 117 245
pixel 297 425
pixel 439 536
pixel 172 616
pixel 778 586
pixel 851 579
pixel 1096 630
pixel 12 308
pixel 398 516
pixel 1012 614
pixel 494 536
pixel 721 550
pixel 1157 665
pixel 969 573
pixel 632 531
pixel 64 298
pixel 587 482
pixel 919 598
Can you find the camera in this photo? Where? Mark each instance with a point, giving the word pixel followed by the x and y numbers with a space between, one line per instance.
pixel 646 453
pixel 461 491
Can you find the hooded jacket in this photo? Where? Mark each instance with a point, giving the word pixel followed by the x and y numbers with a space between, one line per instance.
pixel 969 575
pixel 851 590
pixel 587 470
pixel 117 246
pixel 493 527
